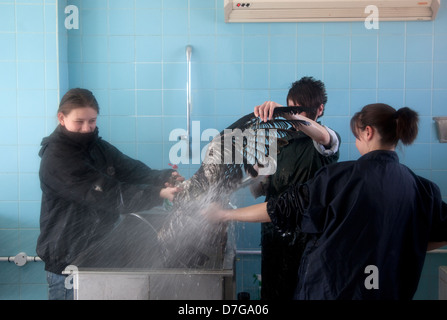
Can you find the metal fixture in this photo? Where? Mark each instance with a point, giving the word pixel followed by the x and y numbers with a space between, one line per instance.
pixel 20 259
pixel 441 126
pixel 128 264
pixel 442 287
pixel 187 137
pixel 329 10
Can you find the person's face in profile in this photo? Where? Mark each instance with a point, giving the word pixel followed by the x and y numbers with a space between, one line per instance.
pixel 82 120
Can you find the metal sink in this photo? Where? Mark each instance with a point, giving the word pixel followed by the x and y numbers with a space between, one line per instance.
pixel 130 264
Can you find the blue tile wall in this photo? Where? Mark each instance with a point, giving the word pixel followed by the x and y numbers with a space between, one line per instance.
pixel 29 88
pixel 131 54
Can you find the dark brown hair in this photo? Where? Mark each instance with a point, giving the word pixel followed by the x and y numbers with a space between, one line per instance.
pixel 76 98
pixel 392 125
pixel 309 93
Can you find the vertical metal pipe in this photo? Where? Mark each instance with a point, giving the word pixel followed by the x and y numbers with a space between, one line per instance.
pixel 188 96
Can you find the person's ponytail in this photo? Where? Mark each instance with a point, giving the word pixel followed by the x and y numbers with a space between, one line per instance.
pixel 392 125
pixel 407 125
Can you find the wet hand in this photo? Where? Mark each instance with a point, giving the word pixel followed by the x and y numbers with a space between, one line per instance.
pixel 169 192
pixel 265 110
pixel 174 180
pixel 215 213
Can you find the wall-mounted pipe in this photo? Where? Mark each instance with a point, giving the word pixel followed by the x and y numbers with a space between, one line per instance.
pixel 258 252
pixel 20 259
pixel 248 252
pixel 188 91
pixel 187 137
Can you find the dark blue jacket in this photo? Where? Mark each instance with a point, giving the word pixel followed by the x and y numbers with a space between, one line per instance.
pixel 370 222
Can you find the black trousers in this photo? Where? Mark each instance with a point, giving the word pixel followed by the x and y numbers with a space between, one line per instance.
pixel 280 262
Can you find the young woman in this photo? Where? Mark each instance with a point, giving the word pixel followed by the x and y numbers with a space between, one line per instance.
pixel 371 221
pixel 86 184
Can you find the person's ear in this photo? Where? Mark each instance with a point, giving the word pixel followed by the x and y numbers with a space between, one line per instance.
pixel 61 118
pixel 369 133
pixel 320 110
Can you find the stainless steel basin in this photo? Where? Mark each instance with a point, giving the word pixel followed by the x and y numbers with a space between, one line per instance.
pixel 129 264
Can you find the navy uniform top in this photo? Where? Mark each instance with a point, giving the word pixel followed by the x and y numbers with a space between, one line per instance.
pixel 370 222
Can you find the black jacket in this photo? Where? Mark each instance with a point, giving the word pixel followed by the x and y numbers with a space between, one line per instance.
pixel 297 162
pixel 86 184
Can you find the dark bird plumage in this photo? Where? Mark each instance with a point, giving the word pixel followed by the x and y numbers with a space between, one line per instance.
pixel 187 238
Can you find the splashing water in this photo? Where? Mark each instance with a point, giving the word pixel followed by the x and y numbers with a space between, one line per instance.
pixel 184 237
pixel 188 239
pixel 180 238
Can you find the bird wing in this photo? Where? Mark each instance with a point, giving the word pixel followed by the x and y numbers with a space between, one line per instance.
pixel 250 141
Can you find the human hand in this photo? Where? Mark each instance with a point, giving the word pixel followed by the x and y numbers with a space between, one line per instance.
pixel 174 179
pixel 265 110
pixel 169 192
pixel 215 213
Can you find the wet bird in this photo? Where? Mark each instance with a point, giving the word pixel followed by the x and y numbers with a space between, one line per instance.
pixel 241 154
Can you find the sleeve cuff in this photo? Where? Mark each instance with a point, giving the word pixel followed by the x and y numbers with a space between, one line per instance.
pixel 334 144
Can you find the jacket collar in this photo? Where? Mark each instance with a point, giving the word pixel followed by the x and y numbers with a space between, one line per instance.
pixel 83 139
pixel 381 155
pixel 62 135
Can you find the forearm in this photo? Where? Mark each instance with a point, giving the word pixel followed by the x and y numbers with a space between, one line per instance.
pixel 315 131
pixel 254 213
pixel 435 245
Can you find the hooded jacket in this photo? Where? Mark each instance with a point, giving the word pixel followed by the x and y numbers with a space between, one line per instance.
pixel 86 184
